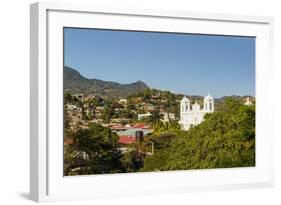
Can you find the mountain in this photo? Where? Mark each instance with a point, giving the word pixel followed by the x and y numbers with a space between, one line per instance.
pixel 75 83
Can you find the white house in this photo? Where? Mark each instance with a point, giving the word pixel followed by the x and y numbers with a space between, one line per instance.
pixel 248 102
pixel 123 101
pixel 142 116
pixel 193 114
pixel 79 96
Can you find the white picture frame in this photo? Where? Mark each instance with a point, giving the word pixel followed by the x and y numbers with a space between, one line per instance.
pixel 47 182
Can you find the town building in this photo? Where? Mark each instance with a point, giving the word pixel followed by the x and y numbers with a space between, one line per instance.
pixel 89 97
pixel 129 136
pixel 123 102
pixel 192 115
pixel 79 96
pixel 248 102
pixel 143 116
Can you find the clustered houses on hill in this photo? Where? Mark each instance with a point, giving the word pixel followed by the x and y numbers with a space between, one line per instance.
pixel 125 116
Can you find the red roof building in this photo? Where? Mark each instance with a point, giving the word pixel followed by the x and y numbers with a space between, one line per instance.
pixel 141 126
pixel 118 128
pixel 127 139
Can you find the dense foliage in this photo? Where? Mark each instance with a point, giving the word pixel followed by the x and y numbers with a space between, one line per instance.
pixel 94 150
pixel 224 139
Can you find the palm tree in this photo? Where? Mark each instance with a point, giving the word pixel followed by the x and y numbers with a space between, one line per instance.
pixel 155 118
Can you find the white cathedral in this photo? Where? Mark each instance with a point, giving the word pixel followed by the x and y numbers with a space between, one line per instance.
pixel 194 115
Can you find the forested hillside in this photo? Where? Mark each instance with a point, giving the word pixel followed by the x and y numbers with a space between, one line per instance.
pixel 75 83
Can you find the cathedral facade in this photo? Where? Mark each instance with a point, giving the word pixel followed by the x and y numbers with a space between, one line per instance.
pixel 193 114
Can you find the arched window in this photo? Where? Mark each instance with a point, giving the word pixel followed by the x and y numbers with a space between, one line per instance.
pixel 186 107
pixel 211 106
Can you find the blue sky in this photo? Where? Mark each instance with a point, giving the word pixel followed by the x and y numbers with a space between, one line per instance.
pixel 182 63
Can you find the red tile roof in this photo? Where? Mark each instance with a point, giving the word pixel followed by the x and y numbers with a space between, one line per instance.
pixel 141 126
pixel 126 139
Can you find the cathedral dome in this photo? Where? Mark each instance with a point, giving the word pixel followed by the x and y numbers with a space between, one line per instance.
pixel 185 99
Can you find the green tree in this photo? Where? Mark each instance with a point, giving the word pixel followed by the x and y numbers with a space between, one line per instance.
pixel 162 143
pixel 107 112
pixel 94 151
pixel 155 118
pixel 131 161
pixel 162 127
pixel 68 99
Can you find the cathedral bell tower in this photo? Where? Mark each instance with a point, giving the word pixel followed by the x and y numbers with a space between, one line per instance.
pixel 209 103
pixel 185 105
pixel 185 111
